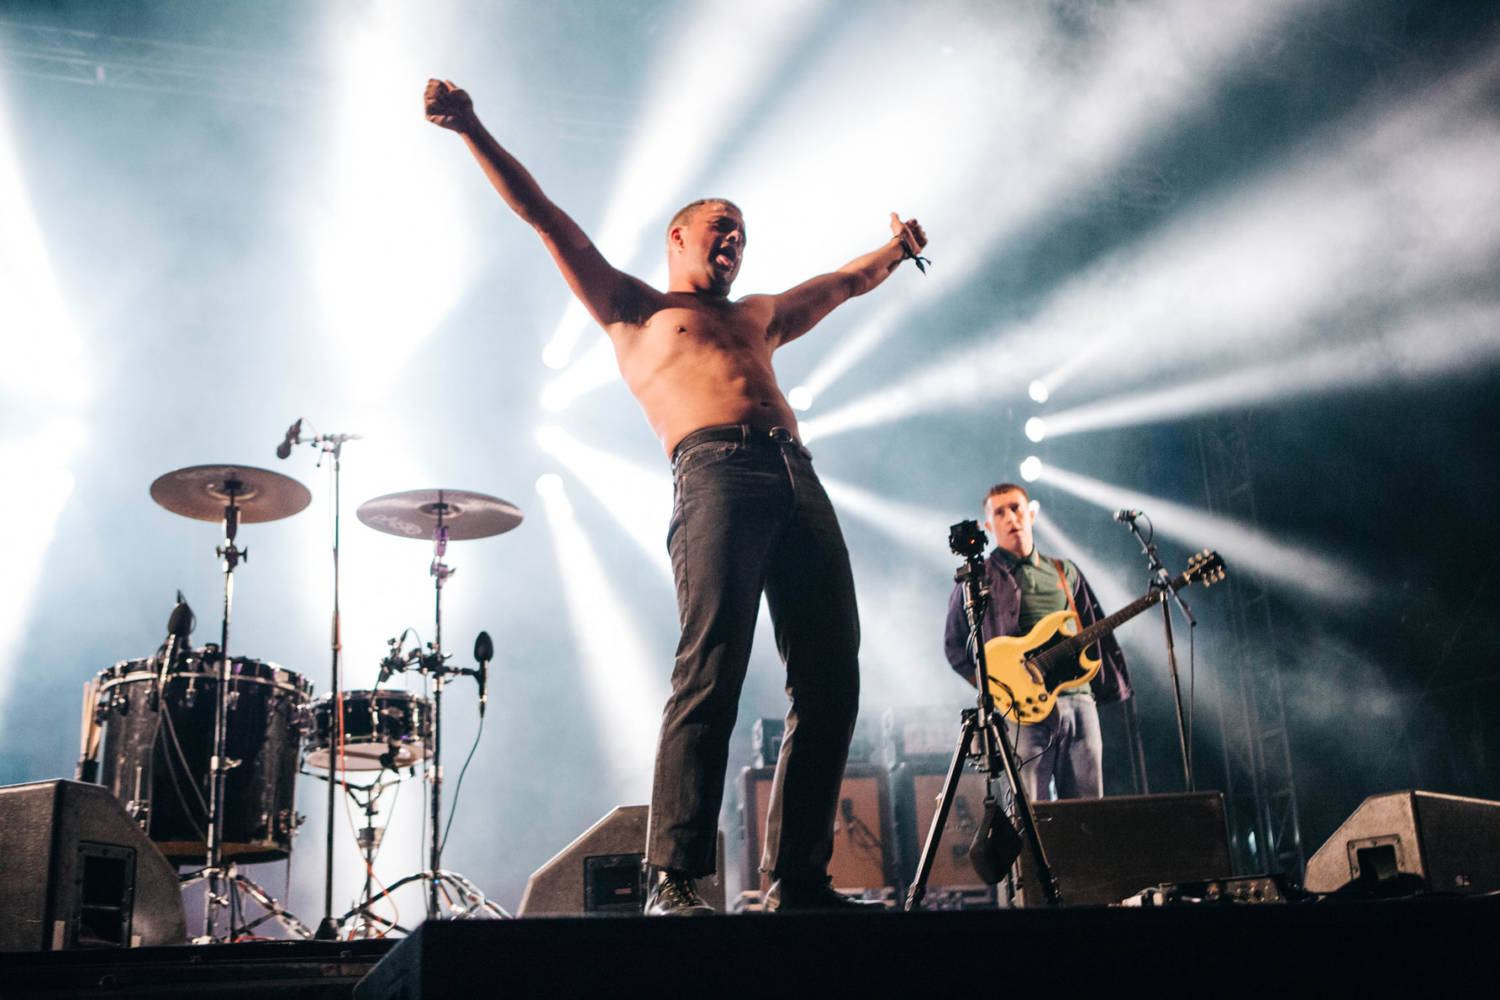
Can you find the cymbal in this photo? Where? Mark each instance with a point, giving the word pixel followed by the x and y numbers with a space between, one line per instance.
pixel 203 491
pixel 414 514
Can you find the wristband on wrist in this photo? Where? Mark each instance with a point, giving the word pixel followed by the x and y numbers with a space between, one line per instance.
pixel 908 254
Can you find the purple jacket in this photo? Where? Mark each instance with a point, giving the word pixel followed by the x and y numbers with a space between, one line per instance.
pixel 1003 616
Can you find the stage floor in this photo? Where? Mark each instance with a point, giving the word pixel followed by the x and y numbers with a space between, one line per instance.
pixel 1431 946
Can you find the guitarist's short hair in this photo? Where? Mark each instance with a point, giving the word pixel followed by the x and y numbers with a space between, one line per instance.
pixel 999 488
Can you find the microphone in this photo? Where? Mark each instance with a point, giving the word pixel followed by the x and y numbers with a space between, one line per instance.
pixel 181 622
pixel 293 436
pixel 179 626
pixel 392 661
pixel 1125 515
pixel 484 652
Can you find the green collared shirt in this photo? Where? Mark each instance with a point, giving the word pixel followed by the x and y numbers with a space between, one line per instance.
pixel 1040 593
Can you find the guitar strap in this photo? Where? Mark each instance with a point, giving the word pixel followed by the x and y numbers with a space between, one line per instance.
pixel 1062 581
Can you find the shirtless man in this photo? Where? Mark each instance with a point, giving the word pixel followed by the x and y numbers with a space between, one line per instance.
pixel 749 515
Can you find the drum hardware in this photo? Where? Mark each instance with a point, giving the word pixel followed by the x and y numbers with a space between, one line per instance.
pixel 231 495
pixel 332 446
pixel 442 516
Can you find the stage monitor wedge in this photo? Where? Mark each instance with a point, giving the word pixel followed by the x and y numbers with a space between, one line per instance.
pixel 77 872
pixel 599 873
pixel 1449 842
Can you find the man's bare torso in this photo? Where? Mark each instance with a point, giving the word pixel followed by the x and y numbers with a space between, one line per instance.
pixel 701 360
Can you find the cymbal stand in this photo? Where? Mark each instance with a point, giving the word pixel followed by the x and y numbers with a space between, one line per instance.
pixel 432 664
pixel 215 870
pixel 996 845
pixel 1161 582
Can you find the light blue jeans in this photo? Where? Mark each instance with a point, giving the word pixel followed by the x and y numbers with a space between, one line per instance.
pixel 1065 749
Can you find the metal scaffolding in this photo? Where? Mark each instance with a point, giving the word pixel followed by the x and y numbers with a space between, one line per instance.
pixel 1259 788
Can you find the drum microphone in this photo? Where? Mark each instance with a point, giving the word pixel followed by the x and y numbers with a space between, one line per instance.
pixel 293 436
pixel 182 621
pixel 484 652
pixel 393 661
pixel 179 626
pixel 1128 516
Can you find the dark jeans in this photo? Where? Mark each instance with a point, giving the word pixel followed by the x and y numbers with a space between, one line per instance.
pixel 751 516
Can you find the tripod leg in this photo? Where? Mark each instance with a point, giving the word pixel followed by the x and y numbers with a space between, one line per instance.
pixel 940 816
pixel 1026 813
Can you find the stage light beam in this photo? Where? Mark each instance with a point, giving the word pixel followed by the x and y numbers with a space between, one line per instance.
pixel 1298 566
pixel 620 680
pixel 639 500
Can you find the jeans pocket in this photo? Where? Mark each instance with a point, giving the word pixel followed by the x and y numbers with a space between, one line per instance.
pixel 705 454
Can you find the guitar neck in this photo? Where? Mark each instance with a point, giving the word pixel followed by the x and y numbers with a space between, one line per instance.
pixel 1106 625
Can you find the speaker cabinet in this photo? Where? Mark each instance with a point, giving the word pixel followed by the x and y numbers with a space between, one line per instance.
pixel 863 853
pixel 1450 842
pixel 599 874
pixel 77 872
pixel 1103 850
pixel 915 794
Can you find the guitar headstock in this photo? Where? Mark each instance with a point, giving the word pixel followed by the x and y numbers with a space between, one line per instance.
pixel 1206 566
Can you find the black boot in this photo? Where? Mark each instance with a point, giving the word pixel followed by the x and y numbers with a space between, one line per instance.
pixel 671 893
pixel 812 896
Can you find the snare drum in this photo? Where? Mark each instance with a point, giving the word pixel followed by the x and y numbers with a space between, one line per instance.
pixel 156 747
pixel 382 729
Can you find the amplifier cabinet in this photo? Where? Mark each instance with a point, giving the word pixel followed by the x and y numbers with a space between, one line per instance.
pixel 1104 850
pixel 863 853
pixel 914 796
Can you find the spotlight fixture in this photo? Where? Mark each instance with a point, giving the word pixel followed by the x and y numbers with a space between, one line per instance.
pixel 1036 429
pixel 1031 468
pixel 800 397
pixel 549 484
pixel 1038 390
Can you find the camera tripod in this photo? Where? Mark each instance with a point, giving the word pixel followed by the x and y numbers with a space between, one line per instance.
pixel 996 846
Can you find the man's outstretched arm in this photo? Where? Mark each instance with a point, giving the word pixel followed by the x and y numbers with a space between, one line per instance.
pixel 611 296
pixel 799 309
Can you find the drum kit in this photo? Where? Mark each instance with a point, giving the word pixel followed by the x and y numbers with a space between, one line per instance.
pixel 203 747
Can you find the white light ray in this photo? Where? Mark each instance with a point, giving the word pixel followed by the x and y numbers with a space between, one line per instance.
pixel 621 679
pixel 922 530
pixel 961 377
pixel 595 369
pixel 44 371
pixel 39 333
pixel 693 104
pixel 1391 209
pixel 391 252
pixel 639 500
pixel 1294 565
pixel 1061 128
pixel 28 523
pixel 1457 339
pixel 1388 214
pixel 1112 594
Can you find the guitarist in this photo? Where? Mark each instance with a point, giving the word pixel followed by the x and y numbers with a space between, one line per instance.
pixel 1025 586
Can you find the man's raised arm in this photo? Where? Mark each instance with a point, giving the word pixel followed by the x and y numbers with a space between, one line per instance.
pixel 611 296
pixel 799 309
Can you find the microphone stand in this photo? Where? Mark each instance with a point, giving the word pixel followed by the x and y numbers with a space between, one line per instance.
pixel 331 445
pixel 1161 582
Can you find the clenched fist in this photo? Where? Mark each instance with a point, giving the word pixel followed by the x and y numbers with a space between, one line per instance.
pixel 448 106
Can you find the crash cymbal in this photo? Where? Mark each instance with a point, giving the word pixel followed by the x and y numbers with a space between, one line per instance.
pixel 414 514
pixel 203 491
